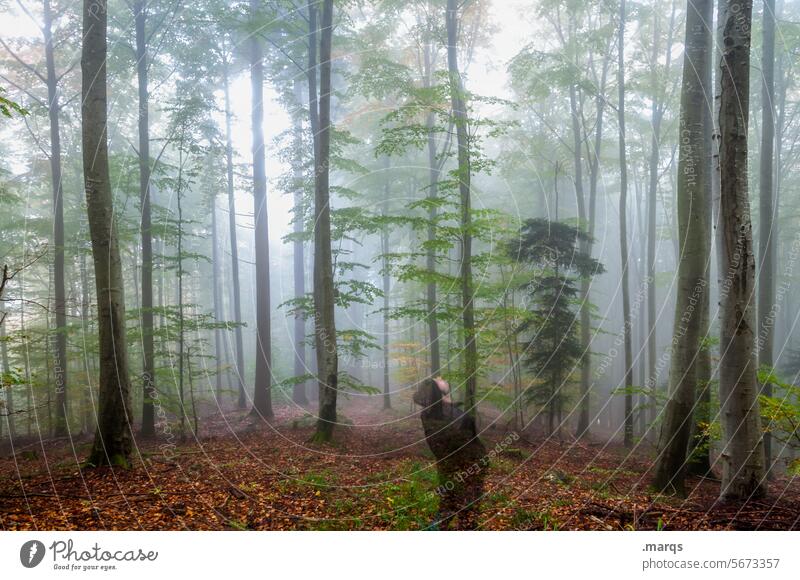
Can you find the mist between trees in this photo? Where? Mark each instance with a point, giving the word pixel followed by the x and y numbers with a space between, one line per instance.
pixel 581 215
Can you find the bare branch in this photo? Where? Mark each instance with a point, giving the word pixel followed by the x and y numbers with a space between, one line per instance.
pixel 29 15
pixel 300 67
pixel 69 69
pixel 22 62
pixel 35 138
pixel 24 90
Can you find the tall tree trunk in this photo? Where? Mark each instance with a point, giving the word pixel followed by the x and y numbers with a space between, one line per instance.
pixel 743 449
pixel 298 256
pixel 652 334
pixel 433 193
pixel 217 291
pixel 28 382
pixel 324 305
pixel 313 119
pixel 780 123
pixel 715 168
pixel 641 339
pixel 767 221
pixel 700 446
pixel 235 286
pixel 694 239
pixel 717 231
pixel 53 110
pixel 148 351
pixel 179 298
pixel 112 443
pixel 464 178
pixel 88 417
pixel 623 232
pixel 311 77
pixel 585 309
pixel 585 246
pixel 262 396
pixel 576 117
pixel 9 396
pixel 195 418
pixel 657 115
pixel 387 288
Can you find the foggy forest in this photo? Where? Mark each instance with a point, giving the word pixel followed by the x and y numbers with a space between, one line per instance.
pixel 399 265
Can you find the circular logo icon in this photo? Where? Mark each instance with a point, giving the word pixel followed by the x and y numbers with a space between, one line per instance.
pixel 31 553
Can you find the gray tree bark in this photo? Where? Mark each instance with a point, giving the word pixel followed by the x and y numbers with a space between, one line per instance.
pixel 262 396
pixel 700 446
pixel 657 115
pixel 216 265
pixel 60 347
pixel 387 288
pixel 742 453
pixel 9 395
pixel 694 250
pixel 464 178
pixel 623 231
pixel 434 171
pixel 767 218
pixel 298 257
pixel 585 310
pixel 324 305
pixel 593 157
pixel 148 352
pixel 235 284
pixel 179 294
pixel 112 442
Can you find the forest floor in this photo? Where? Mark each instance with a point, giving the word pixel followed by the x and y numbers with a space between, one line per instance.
pixel 378 476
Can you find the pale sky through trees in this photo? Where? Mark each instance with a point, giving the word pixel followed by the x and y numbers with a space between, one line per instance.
pixel 487 75
pixel 565 227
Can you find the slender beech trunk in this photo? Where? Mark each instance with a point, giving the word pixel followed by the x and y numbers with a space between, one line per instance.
pixel 148 352
pixel 700 452
pixel 700 446
pixel 387 288
pixel 717 231
pixel 298 257
pixel 60 338
pixel 742 454
pixel 585 246
pixel 767 218
pixel 9 396
pixel 433 193
pixel 311 77
pixel 26 355
pixel 576 116
pixel 313 119
pixel 193 399
pixel 88 418
pixel 262 396
pixel 179 297
pixel 657 115
pixel 585 309
pixel 780 121
pixel 324 306
pixel 641 234
pixel 235 286
pixel 715 173
pixel 652 334
pixel 112 443
pixel 217 291
pixel 694 250
pixel 623 231
pixel 464 177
